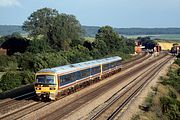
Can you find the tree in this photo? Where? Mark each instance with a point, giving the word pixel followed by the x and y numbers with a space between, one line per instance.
pixel 88 45
pixel 108 42
pixel 66 32
pixel 9 81
pixel 14 79
pixel 8 63
pixel 59 30
pixel 77 54
pixel 107 34
pixel 100 49
pixel 38 46
pixel 15 43
pixel 2 39
pixel 147 42
pixel 40 22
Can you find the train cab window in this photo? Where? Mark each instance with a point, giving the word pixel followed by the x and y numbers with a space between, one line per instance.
pixel 50 79
pixel 46 79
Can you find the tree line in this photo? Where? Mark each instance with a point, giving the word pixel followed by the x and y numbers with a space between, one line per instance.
pixel 90 31
pixel 54 39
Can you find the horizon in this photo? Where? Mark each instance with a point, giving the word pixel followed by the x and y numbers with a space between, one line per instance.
pixel 115 13
pixel 120 27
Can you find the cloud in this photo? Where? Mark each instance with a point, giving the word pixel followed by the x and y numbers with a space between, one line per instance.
pixel 9 3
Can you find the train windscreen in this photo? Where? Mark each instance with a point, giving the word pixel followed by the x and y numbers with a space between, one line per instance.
pixel 45 79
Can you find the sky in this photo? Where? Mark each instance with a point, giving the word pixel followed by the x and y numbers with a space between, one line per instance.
pixel 115 13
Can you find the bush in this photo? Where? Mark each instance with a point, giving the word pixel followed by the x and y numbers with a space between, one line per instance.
pixel 170 107
pixel 15 79
pixel 8 63
pixel 172 94
pixel 177 61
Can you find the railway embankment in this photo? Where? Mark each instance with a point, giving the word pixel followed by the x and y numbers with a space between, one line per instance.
pixel 161 99
pixel 17 92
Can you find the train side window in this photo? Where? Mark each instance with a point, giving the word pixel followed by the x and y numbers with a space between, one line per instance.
pixel 78 76
pixel 62 79
pixel 105 67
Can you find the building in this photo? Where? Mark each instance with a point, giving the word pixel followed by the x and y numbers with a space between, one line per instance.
pixel 138 46
pixel 3 51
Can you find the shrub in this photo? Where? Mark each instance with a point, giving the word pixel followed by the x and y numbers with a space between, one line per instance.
pixel 170 107
pixel 8 63
pixel 15 79
pixel 172 94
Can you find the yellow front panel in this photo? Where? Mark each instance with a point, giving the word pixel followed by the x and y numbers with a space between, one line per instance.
pixel 45 89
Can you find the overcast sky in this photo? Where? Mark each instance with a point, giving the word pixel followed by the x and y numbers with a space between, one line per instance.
pixel 116 13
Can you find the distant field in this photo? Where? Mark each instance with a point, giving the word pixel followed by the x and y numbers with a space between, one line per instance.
pixel 90 39
pixel 159 36
pixel 166 41
pixel 167 37
pixel 166 45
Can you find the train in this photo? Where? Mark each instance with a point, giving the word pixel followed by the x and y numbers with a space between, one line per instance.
pixel 53 82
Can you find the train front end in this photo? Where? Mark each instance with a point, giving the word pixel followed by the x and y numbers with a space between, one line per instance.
pixel 46 86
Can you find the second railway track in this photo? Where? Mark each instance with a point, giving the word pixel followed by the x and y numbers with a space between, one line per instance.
pixel 113 106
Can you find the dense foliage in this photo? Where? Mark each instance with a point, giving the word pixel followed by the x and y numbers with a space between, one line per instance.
pixel 147 42
pixel 14 79
pixel 55 40
pixel 15 43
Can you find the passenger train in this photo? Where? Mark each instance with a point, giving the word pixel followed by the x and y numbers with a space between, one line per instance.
pixel 52 82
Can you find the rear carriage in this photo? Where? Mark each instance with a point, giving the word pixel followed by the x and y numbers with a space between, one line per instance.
pixel 56 81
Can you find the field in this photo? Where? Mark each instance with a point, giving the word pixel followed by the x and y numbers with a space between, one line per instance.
pixel 166 41
pixel 166 45
pixel 158 36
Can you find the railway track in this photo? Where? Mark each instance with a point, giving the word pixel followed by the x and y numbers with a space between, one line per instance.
pixel 115 104
pixel 24 104
pixel 11 104
pixel 24 110
pixel 66 109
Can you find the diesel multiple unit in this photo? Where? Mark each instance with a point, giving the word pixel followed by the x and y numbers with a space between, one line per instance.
pixel 56 81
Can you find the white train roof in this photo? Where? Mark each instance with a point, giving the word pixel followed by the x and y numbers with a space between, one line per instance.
pixel 78 66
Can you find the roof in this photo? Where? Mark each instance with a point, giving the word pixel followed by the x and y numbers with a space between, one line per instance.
pixel 76 66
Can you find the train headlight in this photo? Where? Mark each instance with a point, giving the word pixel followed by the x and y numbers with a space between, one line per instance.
pixel 52 88
pixel 38 88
